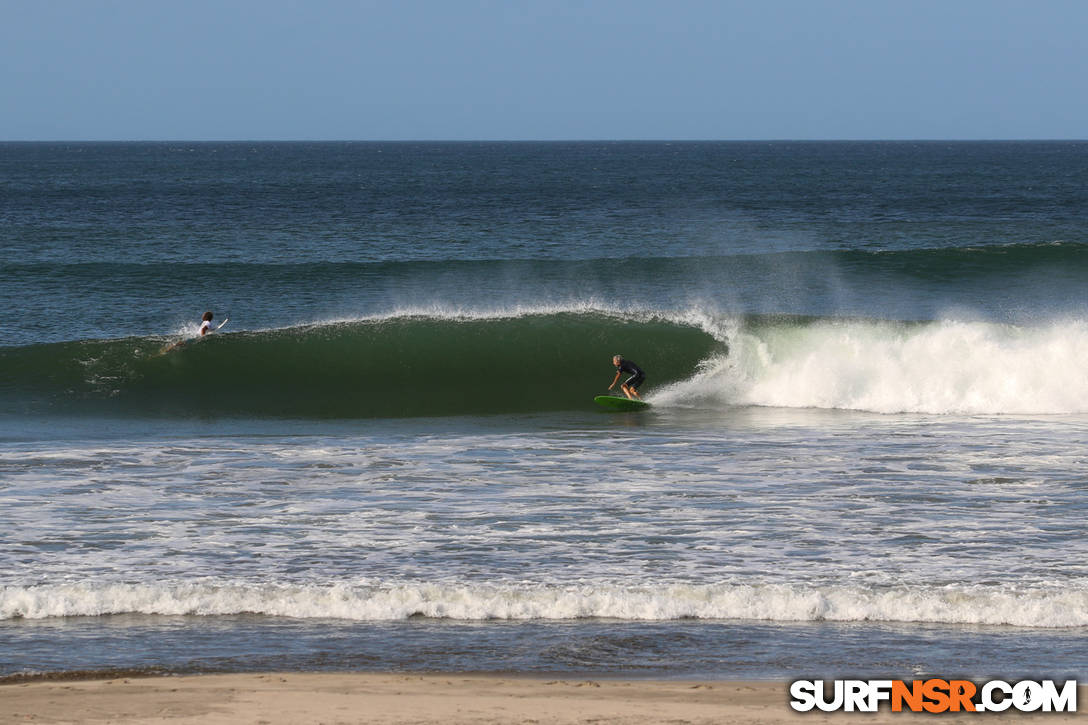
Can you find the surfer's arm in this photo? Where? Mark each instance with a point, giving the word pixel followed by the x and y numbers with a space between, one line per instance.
pixel 614 379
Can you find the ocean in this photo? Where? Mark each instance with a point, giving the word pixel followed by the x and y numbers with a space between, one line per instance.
pixel 865 455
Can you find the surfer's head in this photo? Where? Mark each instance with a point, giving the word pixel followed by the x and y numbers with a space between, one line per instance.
pixel 617 359
pixel 207 316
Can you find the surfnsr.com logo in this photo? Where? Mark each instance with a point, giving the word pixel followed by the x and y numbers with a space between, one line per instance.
pixel 934 695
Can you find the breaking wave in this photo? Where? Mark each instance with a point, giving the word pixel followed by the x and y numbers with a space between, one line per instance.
pixel 450 363
pixel 1039 606
pixel 401 365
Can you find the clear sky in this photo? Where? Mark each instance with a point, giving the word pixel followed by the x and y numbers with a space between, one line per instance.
pixel 543 69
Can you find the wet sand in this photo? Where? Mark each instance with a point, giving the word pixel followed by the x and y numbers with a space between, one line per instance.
pixel 272 699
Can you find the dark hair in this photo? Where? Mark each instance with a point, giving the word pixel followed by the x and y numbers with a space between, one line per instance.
pixel 207 315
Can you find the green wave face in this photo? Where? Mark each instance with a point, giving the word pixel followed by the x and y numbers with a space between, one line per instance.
pixel 402 366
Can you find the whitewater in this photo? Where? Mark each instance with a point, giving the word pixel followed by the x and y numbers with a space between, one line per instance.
pixel 950 366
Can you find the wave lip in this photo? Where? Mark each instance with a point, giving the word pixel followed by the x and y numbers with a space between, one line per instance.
pixel 1022 606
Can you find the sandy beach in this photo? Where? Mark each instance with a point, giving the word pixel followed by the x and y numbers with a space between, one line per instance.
pixel 274 698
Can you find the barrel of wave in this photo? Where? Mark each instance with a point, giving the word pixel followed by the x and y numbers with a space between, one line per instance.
pixel 413 365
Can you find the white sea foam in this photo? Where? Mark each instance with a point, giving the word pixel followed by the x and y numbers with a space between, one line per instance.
pixel 991 605
pixel 946 367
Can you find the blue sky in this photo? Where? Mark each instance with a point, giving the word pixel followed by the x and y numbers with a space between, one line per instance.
pixel 610 69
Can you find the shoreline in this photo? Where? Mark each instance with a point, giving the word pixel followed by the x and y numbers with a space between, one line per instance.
pixel 274 698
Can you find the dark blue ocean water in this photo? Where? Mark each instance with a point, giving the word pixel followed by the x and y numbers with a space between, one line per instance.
pixel 111 240
pixel 864 454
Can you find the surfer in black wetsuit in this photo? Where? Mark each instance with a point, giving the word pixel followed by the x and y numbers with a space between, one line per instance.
pixel 630 385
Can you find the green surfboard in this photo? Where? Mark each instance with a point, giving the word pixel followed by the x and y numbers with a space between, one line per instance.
pixel 616 402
